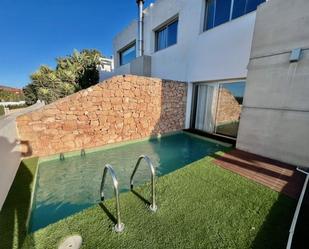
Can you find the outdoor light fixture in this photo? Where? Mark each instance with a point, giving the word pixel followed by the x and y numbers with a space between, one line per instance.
pixel 295 55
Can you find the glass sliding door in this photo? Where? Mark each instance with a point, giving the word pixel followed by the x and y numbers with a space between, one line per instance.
pixel 229 105
pixel 217 107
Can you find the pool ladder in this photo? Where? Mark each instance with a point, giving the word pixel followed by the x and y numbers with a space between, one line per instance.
pixel 153 206
pixel 119 227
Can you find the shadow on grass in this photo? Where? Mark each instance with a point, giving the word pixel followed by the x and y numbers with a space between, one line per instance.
pixel 141 197
pixel 14 213
pixel 111 216
pixel 108 213
pixel 274 231
pixel 301 230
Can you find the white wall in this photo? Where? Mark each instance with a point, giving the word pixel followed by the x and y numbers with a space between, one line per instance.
pixel 12 103
pixel 220 53
pixel 223 52
pixel 124 69
pixel 105 75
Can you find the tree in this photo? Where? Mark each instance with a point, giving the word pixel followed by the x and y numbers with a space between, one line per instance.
pixel 72 73
pixel 84 65
pixel 30 94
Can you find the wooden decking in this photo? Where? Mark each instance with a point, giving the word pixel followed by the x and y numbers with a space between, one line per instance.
pixel 276 175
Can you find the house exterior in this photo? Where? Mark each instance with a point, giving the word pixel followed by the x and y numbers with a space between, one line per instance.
pixel 208 44
pixel 197 42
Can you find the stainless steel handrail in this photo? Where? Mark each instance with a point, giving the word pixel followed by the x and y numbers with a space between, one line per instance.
pixel 153 206
pixel 119 226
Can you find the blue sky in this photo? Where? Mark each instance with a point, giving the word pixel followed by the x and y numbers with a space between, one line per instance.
pixel 35 32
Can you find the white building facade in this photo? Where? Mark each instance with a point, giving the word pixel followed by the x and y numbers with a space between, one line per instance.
pixel 206 43
pixel 105 68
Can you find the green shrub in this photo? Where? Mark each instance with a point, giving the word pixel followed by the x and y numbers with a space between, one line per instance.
pixel 1 110
pixel 8 96
pixel 12 107
pixel 72 73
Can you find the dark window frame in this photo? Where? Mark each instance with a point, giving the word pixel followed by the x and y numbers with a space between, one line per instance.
pixel 206 15
pixel 193 113
pixel 125 48
pixel 165 27
pixel 207 3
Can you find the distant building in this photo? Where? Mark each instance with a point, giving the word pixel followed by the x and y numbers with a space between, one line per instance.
pixel 11 89
pixel 106 67
pixel 11 96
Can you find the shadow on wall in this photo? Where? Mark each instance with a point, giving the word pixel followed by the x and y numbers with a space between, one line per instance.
pixel 26 150
pixel 166 114
pixel 171 118
pixel 119 109
pixel 173 110
pixel 14 213
pixel 274 231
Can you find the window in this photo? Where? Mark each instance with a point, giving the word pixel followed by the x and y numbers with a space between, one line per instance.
pixel 127 54
pixel 221 11
pixel 229 107
pixel 242 7
pixel 167 35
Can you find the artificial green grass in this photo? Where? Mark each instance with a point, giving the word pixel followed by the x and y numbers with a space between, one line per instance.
pixel 14 213
pixel 200 206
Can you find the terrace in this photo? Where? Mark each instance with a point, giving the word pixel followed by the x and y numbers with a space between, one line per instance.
pixel 198 187
pixel 203 204
pixel 208 194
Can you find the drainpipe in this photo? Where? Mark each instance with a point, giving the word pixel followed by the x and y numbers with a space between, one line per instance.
pixel 140 4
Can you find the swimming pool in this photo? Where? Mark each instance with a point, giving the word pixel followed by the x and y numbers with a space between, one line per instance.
pixel 65 187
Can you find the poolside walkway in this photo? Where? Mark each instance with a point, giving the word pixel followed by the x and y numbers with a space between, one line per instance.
pixel 10 152
pixel 276 175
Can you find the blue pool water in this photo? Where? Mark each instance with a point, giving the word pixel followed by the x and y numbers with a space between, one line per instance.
pixel 66 187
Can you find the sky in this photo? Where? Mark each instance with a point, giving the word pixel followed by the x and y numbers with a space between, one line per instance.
pixel 35 32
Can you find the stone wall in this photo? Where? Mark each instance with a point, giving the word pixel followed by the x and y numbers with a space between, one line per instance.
pixel 119 109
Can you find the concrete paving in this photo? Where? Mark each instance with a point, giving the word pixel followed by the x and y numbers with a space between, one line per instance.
pixel 10 153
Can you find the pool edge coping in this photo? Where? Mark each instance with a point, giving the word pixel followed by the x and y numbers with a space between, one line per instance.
pixel 123 143
pixel 208 139
pixel 34 187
